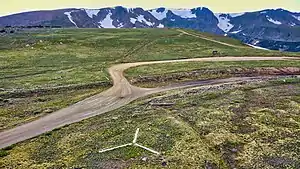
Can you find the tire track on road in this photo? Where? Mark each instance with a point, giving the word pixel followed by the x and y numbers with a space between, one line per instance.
pixel 117 96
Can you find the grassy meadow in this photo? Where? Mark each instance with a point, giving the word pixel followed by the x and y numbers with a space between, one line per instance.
pixel 253 125
pixel 56 57
pixel 34 60
pixel 229 126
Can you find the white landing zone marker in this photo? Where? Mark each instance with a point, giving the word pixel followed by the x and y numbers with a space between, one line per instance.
pixel 131 144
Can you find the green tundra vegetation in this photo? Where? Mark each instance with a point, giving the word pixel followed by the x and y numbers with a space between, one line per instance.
pixel 237 126
pixel 229 126
pixel 55 57
pixel 35 60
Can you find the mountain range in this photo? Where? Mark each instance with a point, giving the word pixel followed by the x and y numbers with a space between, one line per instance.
pixel 275 29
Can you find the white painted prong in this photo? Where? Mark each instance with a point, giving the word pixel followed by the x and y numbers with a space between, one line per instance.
pixel 136 135
pixel 143 147
pixel 131 144
pixel 113 148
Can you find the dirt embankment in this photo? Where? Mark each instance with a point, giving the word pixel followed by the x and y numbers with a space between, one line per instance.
pixel 216 73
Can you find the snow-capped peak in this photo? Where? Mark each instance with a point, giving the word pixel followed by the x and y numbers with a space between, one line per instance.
pixel 159 13
pixel 183 13
pixel 129 9
pixel 92 12
pixel 236 14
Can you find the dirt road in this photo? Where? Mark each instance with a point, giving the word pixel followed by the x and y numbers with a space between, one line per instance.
pixel 117 96
pixel 208 39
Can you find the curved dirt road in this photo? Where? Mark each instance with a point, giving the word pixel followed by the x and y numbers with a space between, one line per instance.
pixel 117 96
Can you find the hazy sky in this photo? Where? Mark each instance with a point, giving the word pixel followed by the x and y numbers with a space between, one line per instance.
pixel 14 6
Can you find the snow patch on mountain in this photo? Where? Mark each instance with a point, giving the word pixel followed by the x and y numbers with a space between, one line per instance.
pixel 257 47
pixel 183 13
pixel 224 22
pixel 129 9
pixel 255 42
pixel 107 22
pixel 133 20
pixel 92 12
pixel 142 19
pixel 120 25
pixel 160 26
pixel 70 18
pixel 296 17
pixel 235 32
pixel 236 14
pixel 159 15
pixel 273 21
